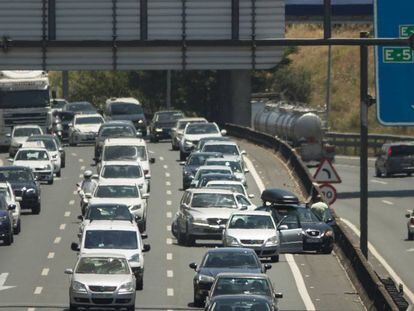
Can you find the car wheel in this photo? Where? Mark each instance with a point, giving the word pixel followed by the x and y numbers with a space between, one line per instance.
pixel 131 308
pixel 139 283
pixel 410 236
pixel 9 239
pixel 59 173
pixel 73 307
pixel 386 173
pixel 275 258
pixel 377 172
pixel 36 209
pixel 197 302
pixel 50 182
pixel 180 237
pixel 63 163
pixel 327 249
pixel 409 174
pixel 182 156
pixel 173 147
pixel 18 227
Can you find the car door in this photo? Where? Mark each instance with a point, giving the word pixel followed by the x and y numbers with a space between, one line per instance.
pixel 290 234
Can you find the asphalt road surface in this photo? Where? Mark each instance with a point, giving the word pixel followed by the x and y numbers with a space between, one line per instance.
pixel 31 270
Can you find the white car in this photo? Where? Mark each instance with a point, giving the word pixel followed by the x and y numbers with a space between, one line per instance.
pixel 228 149
pixel 122 170
pixel 193 132
pixel 210 169
pixel 118 237
pixel 253 229
pixel 20 134
pixel 234 163
pixel 125 192
pixel 410 225
pixel 53 150
pixel 84 128
pixel 233 185
pixel 178 130
pixel 7 191
pixel 39 160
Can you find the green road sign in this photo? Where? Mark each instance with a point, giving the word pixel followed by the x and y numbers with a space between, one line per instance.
pixel 397 55
pixel 406 31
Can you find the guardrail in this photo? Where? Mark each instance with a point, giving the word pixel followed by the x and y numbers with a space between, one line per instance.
pixel 348 143
pixel 376 295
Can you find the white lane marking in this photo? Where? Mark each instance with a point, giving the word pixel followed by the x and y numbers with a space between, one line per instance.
pixel 82 168
pixel 80 175
pixel 378 182
pixel 387 202
pixel 161 158
pixel 75 192
pixel 168 183
pixel 410 250
pixel 170 273
pixel 57 240
pixel 45 272
pixel 51 255
pixel 31 309
pixel 80 160
pixel 165 166
pixel 170 292
pixel 300 284
pixel 74 154
pixel 167 174
pixel 169 256
pixel 38 290
pixel 169 192
pixel 67 214
pixel 385 264
pixel 169 202
pixel 62 227
pixel 168 228
pixel 169 241
pixel 3 278
pixel 71 202
pixel 169 215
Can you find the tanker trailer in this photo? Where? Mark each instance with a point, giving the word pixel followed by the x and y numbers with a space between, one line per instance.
pixel 299 126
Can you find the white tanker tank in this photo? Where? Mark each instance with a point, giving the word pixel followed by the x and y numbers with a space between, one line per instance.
pixel 299 126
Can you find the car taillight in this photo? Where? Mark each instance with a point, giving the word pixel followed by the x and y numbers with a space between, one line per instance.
pixel 389 152
pixel 412 221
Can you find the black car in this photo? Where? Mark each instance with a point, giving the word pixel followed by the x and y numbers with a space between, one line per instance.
pixel 6 221
pixel 240 302
pixel 395 158
pixel 290 214
pixel 48 140
pixel 214 176
pixel 24 185
pixel 194 161
pixel 113 129
pixel 221 260
pixel 162 123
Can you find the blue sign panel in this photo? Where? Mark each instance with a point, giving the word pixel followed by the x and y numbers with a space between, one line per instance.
pixel 394 65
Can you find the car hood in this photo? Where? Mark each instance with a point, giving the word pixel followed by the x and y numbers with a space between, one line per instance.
pixel 126 252
pixel 86 128
pixel 199 136
pixel 32 164
pixel 18 185
pixel 251 234
pixel 131 117
pixel 19 140
pixel 214 271
pixel 102 279
pixel 212 212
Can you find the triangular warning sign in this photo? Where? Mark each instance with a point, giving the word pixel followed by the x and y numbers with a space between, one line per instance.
pixel 326 173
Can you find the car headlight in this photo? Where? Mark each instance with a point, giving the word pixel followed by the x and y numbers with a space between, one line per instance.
pixel 328 233
pixel 158 129
pixel 134 258
pixel 188 174
pixel 3 218
pixel 135 207
pixel 79 287
pixel 232 241
pixel 54 156
pixel 140 121
pixel 189 143
pixel 205 278
pixel 127 287
pixel 47 167
pixel 272 241
pixel 199 221
pixel 30 191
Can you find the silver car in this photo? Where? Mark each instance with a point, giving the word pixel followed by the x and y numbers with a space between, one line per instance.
pixel 410 225
pixel 234 163
pixel 253 229
pixel 101 280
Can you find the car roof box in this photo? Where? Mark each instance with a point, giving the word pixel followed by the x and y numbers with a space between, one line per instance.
pixel 279 196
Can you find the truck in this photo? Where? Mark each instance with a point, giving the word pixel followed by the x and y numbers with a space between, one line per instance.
pixel 24 99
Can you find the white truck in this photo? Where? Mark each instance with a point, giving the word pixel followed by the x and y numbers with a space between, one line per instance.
pixel 24 99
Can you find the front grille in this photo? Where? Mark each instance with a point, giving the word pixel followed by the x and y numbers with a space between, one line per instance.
pixel 102 301
pixel 252 242
pixel 216 221
pixel 313 233
pixel 101 289
pixel 12 119
pixel 265 252
pixel 18 192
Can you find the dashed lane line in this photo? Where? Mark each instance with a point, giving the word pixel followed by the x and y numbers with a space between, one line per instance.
pixel 62 227
pixel 169 256
pixel 57 240
pixel 170 292
pixel 169 241
pixel 71 202
pixel 169 202
pixel 165 166
pixel 31 309
pixel 51 255
pixel 169 215
pixel 168 192
pixel 74 154
pixel 168 183
pixel 387 202
pixel 167 174
pixel 67 214
pixel 170 273
pixel 38 290
pixel 82 168
pixel 45 272
pixel 80 160
pixel 375 181
pixel 161 158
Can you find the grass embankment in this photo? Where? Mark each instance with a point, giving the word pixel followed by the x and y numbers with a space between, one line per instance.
pixel 345 78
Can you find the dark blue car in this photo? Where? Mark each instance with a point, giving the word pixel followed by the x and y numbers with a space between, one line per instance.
pixel 6 221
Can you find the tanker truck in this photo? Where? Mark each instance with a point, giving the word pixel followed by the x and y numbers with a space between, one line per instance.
pixel 299 126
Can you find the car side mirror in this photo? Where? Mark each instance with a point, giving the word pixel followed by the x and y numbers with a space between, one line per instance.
pixel 193 266
pixel 223 132
pixel 147 176
pixel 75 247
pixel 146 248
pixel 182 163
pixel 243 152
pixel 278 295
pixel 68 271
pixel 250 195
pixel 10 160
pixel 88 195
pixel 407 215
pixel 145 195
pixel 282 227
pixel 80 217
pixel 11 207
pixel 95 176
pixel 246 171
pixel 152 160
pixel 61 149
pixel 139 134
pixel 173 129
pixel 267 266
pixel 144 236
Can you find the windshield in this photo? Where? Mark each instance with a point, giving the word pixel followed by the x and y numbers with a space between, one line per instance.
pixel 65 117
pixel 89 120
pixel 81 106
pixel 15 175
pixel 121 153
pixel 32 155
pixel 26 132
pixel 58 103
pixel 403 150
pixel 235 304
pixel 116 192
pixel 125 108
pixel 181 124
pixel 168 116
pixel 230 260
pixel 206 171
pixel 213 200
pixel 205 128
pixel 50 144
pixel 102 265
pixel 234 165
pixel 251 222
pixel 235 188
pixel 108 212
pixel 4 192
pixel 121 171
pixel 24 99
pixel 239 286
pixel 111 239
pixel 117 131
pixel 224 149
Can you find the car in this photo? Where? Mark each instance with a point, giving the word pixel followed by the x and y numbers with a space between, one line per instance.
pixel 210 169
pixel 395 158
pixel 20 134
pixel 178 130
pixel 49 142
pixel 202 141
pixel 206 178
pixel 194 161
pixel 6 221
pixel 115 236
pixel 244 284
pixel 80 107
pixel 219 260
pixel 7 192
pixel 101 280
pixel 193 132
pixel 298 226
pixel 162 123
pixel 226 148
pixel 130 171
pixel 234 163
pixel 25 186
pixel 39 160
pixel 125 192
pixel 410 225
pixel 113 129
pixel 255 230
pixel 240 302
pixel 84 128
pixel 203 214
pixel 57 104
pixel 233 185
pixel 126 109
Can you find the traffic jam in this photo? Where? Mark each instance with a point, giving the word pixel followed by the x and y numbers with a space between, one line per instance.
pixel 114 201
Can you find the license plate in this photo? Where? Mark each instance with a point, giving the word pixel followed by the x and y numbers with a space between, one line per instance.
pixel 313 240
pixel 102 295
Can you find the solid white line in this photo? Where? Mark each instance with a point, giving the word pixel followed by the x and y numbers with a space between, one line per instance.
pixel 169 256
pixel 379 182
pixel 51 255
pixel 62 227
pixel 169 215
pixel 67 214
pixel 161 158
pixel 169 202
pixel 57 240
pixel 387 202
pixel 38 290
pixel 170 292
pixel 71 202
pixel 169 192
pixel 168 183
pixel 80 160
pixel 385 264
pixel 165 166
pixel 45 272
pixel 169 241
pixel 31 309
pixel 300 284
pixel 167 174
pixel 170 273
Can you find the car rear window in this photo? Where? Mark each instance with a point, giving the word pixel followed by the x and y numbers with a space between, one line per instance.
pixel 403 150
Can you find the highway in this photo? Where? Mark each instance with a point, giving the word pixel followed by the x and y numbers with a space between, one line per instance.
pixel 31 270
